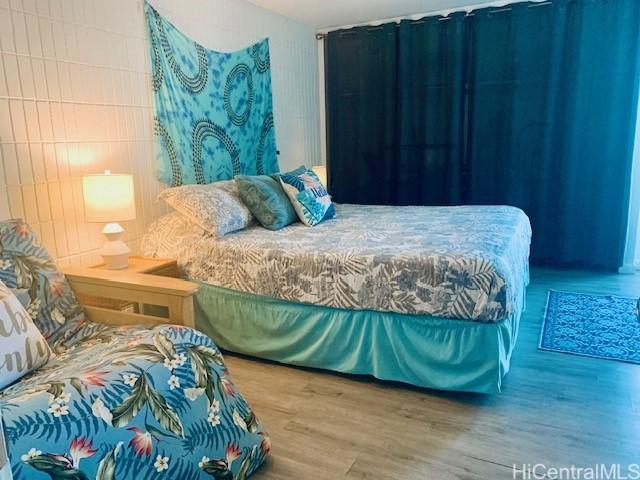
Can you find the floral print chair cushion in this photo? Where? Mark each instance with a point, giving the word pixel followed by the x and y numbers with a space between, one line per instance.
pixel 132 403
pixel 28 270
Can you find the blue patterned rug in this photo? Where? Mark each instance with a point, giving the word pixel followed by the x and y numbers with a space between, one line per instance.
pixel 592 325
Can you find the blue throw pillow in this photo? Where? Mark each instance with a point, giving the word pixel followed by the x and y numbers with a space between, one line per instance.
pixel 266 199
pixel 308 196
pixel 297 171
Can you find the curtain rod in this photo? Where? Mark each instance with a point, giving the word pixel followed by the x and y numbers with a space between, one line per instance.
pixel 470 13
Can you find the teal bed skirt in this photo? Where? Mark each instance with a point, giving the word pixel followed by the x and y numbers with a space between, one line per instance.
pixel 425 351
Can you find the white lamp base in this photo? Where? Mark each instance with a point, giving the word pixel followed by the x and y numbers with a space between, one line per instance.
pixel 115 252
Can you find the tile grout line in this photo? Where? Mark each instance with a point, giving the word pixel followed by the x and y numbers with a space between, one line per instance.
pixel 65 21
pixel 13 130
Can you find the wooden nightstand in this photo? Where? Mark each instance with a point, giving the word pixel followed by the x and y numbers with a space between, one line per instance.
pixel 115 296
pixel 154 266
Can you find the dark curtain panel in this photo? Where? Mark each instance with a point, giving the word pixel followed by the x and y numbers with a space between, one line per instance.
pixel 597 92
pixel 511 113
pixel 531 105
pixel 552 106
pixel 430 127
pixel 361 73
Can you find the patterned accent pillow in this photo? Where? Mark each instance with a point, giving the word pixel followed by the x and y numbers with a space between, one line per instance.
pixel 267 201
pixel 308 196
pixel 23 347
pixel 28 270
pixel 215 207
pixel 297 171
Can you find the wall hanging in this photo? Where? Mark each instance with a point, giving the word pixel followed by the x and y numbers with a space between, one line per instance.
pixel 213 110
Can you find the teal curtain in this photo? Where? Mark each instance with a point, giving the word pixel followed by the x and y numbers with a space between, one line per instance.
pixel 552 109
pixel 531 105
pixel 362 67
pixel 430 126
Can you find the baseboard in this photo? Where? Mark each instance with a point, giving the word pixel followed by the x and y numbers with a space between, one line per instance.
pixel 628 269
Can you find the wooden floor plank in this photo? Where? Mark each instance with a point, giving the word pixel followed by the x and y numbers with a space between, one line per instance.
pixel 556 409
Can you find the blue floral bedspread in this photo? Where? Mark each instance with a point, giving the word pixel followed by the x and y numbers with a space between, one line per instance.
pixel 469 262
pixel 132 403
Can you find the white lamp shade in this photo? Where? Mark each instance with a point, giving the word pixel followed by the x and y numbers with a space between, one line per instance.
pixel 108 197
pixel 321 171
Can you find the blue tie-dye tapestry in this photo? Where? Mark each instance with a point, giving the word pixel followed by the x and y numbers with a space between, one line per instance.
pixel 213 110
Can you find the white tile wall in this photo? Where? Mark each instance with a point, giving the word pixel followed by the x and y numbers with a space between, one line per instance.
pixel 75 98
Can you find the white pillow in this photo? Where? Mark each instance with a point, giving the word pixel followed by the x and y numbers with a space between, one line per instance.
pixel 22 346
pixel 215 207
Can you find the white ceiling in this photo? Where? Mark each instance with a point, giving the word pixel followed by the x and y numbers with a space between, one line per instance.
pixel 323 14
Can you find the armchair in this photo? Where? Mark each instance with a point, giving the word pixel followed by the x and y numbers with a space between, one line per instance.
pixel 129 395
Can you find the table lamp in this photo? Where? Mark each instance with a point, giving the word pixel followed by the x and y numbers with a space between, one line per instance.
pixel 321 172
pixel 109 198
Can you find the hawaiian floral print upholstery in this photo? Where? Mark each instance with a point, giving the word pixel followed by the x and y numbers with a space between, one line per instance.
pixel 451 262
pixel 28 270
pixel 132 403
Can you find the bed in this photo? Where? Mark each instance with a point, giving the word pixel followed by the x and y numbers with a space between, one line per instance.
pixel 430 296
